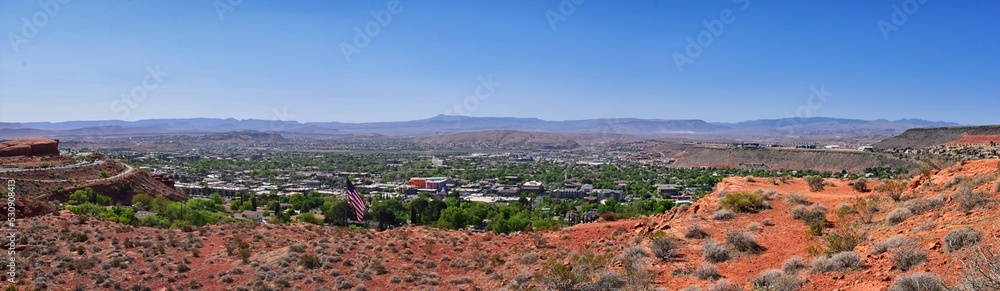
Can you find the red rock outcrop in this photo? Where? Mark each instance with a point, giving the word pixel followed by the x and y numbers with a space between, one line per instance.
pixel 29 147
pixel 166 179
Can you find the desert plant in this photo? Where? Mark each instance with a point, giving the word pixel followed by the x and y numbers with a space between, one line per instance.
pixel 968 199
pixel 310 261
pixel 793 265
pixel 743 241
pixel 723 214
pixel 775 280
pixel 724 285
pixel 837 263
pixel 714 252
pixel 906 258
pixel 817 212
pixel 892 188
pixel 707 271
pixel 664 248
pixel 890 243
pixel 922 281
pixel 899 215
pixel 742 202
pixel 860 185
pixel 961 237
pixel 529 258
pixel 797 199
pixel 695 231
pixel 843 239
pixel 866 208
pixel 608 216
pixel 919 206
pixel 815 183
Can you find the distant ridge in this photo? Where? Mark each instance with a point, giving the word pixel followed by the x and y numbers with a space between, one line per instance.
pixel 445 124
pixel 927 137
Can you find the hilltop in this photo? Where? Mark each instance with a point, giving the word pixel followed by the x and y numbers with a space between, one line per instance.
pixel 50 177
pixel 927 137
pixel 920 229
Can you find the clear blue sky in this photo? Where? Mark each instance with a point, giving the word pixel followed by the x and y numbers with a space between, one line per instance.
pixel 608 59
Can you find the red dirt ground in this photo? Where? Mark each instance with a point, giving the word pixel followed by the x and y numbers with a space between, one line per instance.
pixel 424 258
pixel 967 139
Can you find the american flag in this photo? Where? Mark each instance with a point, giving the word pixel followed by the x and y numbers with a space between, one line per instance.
pixel 356 201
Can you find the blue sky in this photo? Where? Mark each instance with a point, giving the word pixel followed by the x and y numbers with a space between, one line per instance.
pixel 604 59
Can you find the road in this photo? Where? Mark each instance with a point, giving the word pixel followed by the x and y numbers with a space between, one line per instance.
pixel 128 170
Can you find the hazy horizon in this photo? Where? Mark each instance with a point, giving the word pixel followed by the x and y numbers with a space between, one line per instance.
pixel 725 61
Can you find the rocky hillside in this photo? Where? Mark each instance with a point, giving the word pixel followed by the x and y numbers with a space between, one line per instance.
pixel 688 156
pixel 941 229
pixel 927 137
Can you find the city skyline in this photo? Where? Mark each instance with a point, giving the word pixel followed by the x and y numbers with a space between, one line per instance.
pixel 725 61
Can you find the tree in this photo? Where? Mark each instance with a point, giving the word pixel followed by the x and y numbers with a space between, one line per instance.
pixel 216 198
pixel 385 216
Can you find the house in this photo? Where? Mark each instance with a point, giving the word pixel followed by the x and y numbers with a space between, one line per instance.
pixel 668 189
pixel 866 148
pixel 567 193
pixel 608 194
pixel 832 146
pixel 532 187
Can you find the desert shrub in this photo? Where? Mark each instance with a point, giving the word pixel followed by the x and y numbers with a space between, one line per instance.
pixel 743 241
pixel 724 285
pixel 714 252
pixel 742 202
pixel 892 188
pixel 695 231
pixel 968 199
pixel 898 215
pixel 996 187
pixel 608 216
pixel 770 194
pixel 815 183
pixel 866 208
pixel 606 280
pixel 961 237
pixel 767 222
pixel 755 227
pixel 664 248
pixel 860 185
pixel 298 247
pixel 887 244
pixel 843 239
pixel 817 212
pixel 906 258
pixel 310 261
pixel 723 214
pixel 775 280
pixel 797 199
pixel 793 265
pixel 922 281
pixel 529 258
pixel 182 267
pixel 707 271
pixel 919 206
pixel 460 280
pixel 840 262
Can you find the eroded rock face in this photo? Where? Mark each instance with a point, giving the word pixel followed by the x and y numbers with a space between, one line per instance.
pixel 29 147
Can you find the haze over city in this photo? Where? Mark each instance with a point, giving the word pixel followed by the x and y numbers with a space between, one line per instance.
pixel 723 61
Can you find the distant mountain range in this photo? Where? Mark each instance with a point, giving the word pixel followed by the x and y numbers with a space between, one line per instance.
pixel 443 124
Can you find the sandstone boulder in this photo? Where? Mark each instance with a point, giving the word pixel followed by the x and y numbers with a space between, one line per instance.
pixel 29 147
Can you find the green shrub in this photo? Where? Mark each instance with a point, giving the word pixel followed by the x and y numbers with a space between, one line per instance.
pixel 892 188
pixel 310 261
pixel 742 202
pixel 843 239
